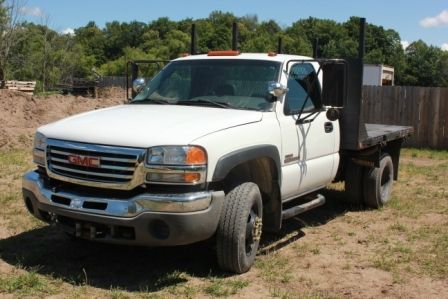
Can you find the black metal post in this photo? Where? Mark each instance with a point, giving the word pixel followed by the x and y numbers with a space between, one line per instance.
pixel 315 48
pixel 193 49
pixel 127 80
pixel 134 75
pixel 234 36
pixel 280 46
pixel 362 39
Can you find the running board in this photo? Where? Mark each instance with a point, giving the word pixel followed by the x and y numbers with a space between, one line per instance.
pixel 291 212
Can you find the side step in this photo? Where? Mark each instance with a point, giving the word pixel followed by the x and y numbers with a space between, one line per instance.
pixel 296 210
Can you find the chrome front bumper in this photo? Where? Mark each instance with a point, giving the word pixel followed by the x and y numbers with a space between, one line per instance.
pixel 146 202
pixel 145 219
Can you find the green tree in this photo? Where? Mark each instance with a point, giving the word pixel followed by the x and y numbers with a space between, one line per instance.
pixel 426 65
pixel 9 18
pixel 93 41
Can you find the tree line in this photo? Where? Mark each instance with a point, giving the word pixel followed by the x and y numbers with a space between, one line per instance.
pixel 32 51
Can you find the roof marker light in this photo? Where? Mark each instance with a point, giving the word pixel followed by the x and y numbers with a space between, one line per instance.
pixel 224 53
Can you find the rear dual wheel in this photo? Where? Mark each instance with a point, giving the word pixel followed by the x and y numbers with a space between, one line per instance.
pixel 378 183
pixel 371 186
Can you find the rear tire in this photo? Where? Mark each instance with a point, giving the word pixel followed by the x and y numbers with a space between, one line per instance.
pixel 240 228
pixel 378 183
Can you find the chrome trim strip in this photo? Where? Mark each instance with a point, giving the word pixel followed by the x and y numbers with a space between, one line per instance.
pixel 106 175
pixel 175 168
pixel 102 158
pixel 101 166
pixel 95 148
pixel 131 207
pixel 137 180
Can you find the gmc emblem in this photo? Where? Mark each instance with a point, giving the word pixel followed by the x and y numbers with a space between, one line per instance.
pixel 85 161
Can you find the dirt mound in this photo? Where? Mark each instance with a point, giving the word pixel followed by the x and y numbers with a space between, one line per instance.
pixel 21 114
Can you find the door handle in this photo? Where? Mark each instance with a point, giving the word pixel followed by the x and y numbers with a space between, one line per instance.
pixel 328 127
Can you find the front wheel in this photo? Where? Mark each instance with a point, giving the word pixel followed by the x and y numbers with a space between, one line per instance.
pixel 239 228
pixel 378 183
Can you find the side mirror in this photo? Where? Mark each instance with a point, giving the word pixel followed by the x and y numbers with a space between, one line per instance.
pixel 334 88
pixel 277 89
pixel 138 84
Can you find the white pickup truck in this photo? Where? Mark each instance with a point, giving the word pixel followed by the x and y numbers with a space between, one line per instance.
pixel 222 145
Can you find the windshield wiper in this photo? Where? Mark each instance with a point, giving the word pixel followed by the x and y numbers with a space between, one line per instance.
pixel 206 102
pixel 151 101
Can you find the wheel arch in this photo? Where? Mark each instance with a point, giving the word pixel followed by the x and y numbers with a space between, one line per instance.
pixel 258 164
pixel 233 159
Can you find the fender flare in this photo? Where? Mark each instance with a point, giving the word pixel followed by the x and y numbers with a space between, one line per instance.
pixel 235 158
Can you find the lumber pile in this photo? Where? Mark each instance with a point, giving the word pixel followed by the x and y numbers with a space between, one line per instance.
pixel 23 86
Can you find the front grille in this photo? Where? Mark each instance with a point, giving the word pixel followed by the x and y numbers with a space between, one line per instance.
pixel 112 164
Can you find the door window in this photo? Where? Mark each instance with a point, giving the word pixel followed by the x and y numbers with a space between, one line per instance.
pixel 304 92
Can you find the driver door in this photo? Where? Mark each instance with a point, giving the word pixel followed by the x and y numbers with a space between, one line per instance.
pixel 309 138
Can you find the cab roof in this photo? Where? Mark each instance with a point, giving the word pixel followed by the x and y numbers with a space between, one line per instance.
pixel 248 56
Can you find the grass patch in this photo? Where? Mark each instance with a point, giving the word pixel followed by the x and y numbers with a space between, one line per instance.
pixel 280 293
pixel 424 153
pixel 398 227
pixel 116 293
pixel 433 257
pixel 275 268
pixel 14 159
pixel 223 288
pixel 171 279
pixel 26 284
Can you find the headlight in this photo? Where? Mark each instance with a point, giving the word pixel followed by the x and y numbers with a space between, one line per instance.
pixel 176 155
pixel 40 143
pixel 176 164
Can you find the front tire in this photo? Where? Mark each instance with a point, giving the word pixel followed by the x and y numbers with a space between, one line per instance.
pixel 378 183
pixel 239 229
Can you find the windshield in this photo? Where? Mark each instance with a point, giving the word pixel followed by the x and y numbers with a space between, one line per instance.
pixel 238 84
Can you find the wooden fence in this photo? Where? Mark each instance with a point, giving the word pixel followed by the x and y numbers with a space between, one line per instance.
pixel 424 108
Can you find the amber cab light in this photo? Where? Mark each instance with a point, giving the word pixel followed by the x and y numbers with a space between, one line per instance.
pixel 224 53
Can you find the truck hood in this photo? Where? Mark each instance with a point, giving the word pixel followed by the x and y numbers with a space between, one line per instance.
pixel 147 125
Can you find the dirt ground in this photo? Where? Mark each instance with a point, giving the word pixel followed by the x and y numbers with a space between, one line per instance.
pixel 335 251
pixel 21 114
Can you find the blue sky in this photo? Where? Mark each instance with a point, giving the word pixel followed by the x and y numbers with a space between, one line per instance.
pixel 426 20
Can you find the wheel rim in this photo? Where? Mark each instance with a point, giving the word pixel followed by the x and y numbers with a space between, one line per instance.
pixel 386 179
pixel 253 229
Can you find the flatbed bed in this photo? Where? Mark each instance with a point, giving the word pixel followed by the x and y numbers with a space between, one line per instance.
pixel 379 133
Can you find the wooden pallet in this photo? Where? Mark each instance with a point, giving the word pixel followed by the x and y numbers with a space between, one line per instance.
pixel 22 86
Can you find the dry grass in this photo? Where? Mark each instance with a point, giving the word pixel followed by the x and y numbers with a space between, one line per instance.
pixel 336 251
